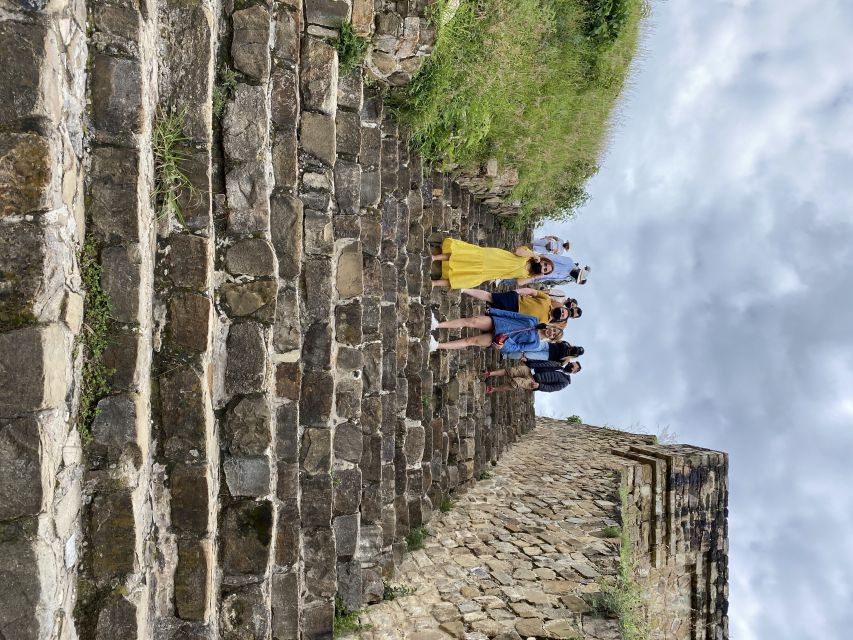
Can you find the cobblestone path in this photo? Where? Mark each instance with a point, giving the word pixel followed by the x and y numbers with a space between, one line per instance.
pixel 512 558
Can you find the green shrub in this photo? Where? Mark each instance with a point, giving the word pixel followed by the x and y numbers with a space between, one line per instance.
pixel 612 532
pixel 392 592
pixel 415 539
pixel 574 420
pixel 224 90
pixel 351 49
pixel 346 620
pixel 484 475
pixel 446 504
pixel 531 82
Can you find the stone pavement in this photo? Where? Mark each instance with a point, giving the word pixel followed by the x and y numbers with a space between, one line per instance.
pixel 512 558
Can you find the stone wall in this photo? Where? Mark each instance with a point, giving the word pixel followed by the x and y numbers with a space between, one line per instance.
pixel 275 424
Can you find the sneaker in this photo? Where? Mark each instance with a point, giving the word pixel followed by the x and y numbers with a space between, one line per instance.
pixel 433 323
pixel 433 344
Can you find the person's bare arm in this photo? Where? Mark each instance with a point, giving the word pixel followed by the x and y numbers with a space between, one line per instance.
pixel 524 252
pixel 527 291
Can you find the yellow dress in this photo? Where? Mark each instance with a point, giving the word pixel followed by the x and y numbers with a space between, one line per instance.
pixel 470 265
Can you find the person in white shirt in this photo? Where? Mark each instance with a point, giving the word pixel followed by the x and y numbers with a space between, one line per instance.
pixel 551 244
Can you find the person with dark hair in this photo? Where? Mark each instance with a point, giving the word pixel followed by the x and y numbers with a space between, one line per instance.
pixel 554 351
pixel 529 301
pixel 565 270
pixel 541 375
pixel 467 265
pixel 551 244
pixel 506 330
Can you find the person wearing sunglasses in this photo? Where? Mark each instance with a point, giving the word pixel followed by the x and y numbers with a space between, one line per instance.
pixel 542 375
pixel 505 330
pixel 531 302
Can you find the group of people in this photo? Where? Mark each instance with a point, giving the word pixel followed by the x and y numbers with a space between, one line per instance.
pixel 526 324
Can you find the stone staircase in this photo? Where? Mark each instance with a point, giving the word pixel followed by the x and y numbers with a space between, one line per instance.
pixel 275 424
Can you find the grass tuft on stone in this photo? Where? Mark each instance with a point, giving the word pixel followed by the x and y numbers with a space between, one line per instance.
pixel 347 620
pixel 170 178
pixel 351 49
pixel 224 90
pixel 415 539
pixel 447 503
pixel 392 592
pixel 533 83
pixel 574 420
pixel 612 532
pixel 484 475
pixel 93 340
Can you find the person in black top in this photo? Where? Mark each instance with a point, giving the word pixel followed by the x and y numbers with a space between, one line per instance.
pixel 536 375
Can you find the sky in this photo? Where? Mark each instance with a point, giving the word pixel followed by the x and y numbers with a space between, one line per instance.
pixel 720 302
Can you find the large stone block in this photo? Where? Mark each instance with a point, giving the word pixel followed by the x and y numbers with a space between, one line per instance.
pixel 114 176
pixel 286 229
pixel 346 534
pixel 245 536
pixel 315 451
pixel 348 187
pixel 351 92
pixel 251 257
pixel 316 501
pixel 287 330
pixel 319 76
pixel 284 597
pixel 116 95
pixel 320 560
pixel 32 369
pixel 317 136
pixel 348 442
pixel 349 279
pixel 19 572
pixel 247 476
pixel 327 13
pixel 318 620
pixel 288 25
pixel 247 188
pixel 245 371
pixel 182 404
pixel 288 380
pixel 28 271
pixel 25 173
pixel 189 261
pixel 285 160
pixel 319 233
pixel 111 534
pixel 248 427
pixel 347 485
pixel 121 279
pixel 317 346
pixel 117 619
pixel 114 426
pixel 256 299
pixel 190 577
pixel 189 502
pixel 318 299
pixel 190 315
pixel 28 87
pixel 348 397
pixel 348 323
pixel 250 49
pixel 244 614
pixel 20 469
pixel 287 433
pixel 245 124
pixel 284 98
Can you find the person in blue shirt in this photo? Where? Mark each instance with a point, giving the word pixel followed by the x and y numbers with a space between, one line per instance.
pixel 551 244
pixel 508 331
pixel 554 351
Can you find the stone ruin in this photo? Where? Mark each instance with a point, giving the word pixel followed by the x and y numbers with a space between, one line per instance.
pixel 275 424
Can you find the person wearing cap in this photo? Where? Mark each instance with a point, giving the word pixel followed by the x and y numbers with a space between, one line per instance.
pixel 551 244
pixel 531 302
pixel 541 375
pixel 565 269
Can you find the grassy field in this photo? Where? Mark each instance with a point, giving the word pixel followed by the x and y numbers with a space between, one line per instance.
pixel 531 82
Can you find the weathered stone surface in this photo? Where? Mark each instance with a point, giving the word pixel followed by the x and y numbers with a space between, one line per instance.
pixel 251 257
pixel 247 188
pixel 317 346
pixel 318 275
pixel 346 534
pixel 315 451
pixel 26 270
pixel 189 502
pixel 247 476
pixel 250 45
pixel 116 95
pixel 245 536
pixel 348 398
pixel 190 315
pixel 349 359
pixel 18 568
pixel 316 501
pixel 348 323
pixel 284 595
pixel 350 92
pixel 117 619
pixel 285 158
pixel 287 330
pixel 319 232
pixel 287 433
pixel 348 186
pixel 25 173
pixel 182 413
pixel 288 380
pixel 319 76
pixel 245 371
pixel 244 614
pixel 284 98
pixel 287 26
pixel 245 123
pixel 257 299
pixel 317 136
pixel 114 425
pixel 348 442
pixel 120 280
pixel 318 620
pixel 31 381
pixel 347 227
pixel 286 231
pixel 349 581
pixel 347 484
pixel 190 574
pixel 349 279
pixel 348 132
pixel 189 257
pixel 328 13
pixel 114 175
pixel 111 534
pixel 320 563
pixel 26 88
pixel 247 426
pixel 20 469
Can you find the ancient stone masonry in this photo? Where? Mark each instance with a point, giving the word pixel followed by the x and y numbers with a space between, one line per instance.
pixel 275 424
pixel 529 552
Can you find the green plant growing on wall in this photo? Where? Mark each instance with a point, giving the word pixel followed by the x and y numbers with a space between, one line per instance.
pixel 447 503
pixel 622 598
pixel 484 475
pixel 415 539
pixel 612 532
pixel 574 420
pixel 93 340
pixel 392 592
pixel 224 90
pixel 170 178
pixel 351 49
pixel 347 620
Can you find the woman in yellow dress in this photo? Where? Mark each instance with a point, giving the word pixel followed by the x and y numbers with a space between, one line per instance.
pixel 464 266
